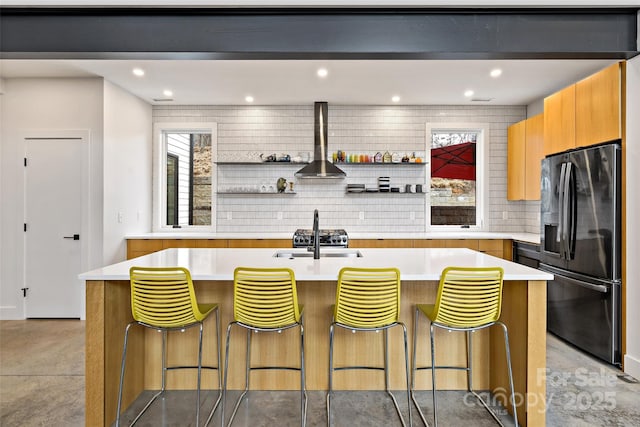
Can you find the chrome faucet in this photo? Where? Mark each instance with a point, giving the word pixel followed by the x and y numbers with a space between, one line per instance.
pixel 316 235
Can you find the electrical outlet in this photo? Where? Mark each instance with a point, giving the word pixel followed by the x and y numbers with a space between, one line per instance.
pixel 361 216
pixel 505 215
pixel 229 216
pixel 280 216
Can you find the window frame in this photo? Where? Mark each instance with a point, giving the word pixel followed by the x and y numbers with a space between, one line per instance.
pixel 159 198
pixel 482 129
pixel 175 159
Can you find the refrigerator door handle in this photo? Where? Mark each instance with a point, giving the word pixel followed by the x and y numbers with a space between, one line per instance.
pixel 598 288
pixel 572 212
pixel 566 216
pixel 556 272
pixel 560 234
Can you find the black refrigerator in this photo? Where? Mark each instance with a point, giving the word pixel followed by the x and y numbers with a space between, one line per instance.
pixel 580 245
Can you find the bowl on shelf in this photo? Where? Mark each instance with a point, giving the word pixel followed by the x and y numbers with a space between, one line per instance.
pixel 355 188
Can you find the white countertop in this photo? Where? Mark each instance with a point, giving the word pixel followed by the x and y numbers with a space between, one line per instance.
pixel 218 264
pixel 524 237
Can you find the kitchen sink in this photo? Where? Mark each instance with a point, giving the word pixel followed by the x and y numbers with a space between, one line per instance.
pixel 324 253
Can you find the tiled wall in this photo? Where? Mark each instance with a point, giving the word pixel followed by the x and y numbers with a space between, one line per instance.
pixel 246 132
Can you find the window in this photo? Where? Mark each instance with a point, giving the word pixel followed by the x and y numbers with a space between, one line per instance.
pixel 172 189
pixel 184 178
pixel 456 175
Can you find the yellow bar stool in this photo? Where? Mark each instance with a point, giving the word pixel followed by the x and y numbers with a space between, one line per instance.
pixel 368 300
pixel 163 299
pixel 469 299
pixel 265 300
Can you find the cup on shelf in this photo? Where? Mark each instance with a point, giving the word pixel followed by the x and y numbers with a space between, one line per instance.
pixel 383 184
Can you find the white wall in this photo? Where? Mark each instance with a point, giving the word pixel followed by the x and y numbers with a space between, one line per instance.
pixel 536 107
pixel 632 356
pixel 38 105
pixel 245 132
pixel 127 170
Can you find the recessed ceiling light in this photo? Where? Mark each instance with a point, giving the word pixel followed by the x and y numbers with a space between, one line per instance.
pixel 468 93
pixel 138 72
pixel 496 72
pixel 167 92
pixel 395 98
pixel 322 72
pixel 248 98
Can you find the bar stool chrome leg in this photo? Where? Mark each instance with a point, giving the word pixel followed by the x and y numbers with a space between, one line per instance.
pixel 385 368
pixel 219 355
pixel 330 392
pixel 303 392
pixel 468 368
pixel 433 374
pixel 413 369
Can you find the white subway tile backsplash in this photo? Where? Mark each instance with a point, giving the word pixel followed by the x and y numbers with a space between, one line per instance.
pixel 245 132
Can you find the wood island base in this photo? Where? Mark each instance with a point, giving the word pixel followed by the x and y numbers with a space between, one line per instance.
pixel 108 312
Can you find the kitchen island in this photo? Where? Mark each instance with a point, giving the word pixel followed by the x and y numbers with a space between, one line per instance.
pixel 108 312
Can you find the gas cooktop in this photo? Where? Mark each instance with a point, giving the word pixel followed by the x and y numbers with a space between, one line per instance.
pixel 328 237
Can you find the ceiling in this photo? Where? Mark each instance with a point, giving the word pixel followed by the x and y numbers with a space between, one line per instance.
pixel 286 82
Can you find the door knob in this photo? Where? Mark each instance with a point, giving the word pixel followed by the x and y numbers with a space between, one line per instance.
pixel 74 237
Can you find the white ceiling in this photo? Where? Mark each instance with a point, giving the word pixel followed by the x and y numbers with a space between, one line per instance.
pixel 273 82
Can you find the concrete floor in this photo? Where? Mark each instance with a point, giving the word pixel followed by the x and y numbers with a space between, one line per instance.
pixel 42 384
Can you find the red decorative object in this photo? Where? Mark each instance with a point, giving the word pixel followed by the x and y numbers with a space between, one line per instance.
pixel 454 161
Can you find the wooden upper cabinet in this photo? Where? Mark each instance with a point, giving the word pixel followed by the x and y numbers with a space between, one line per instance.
pixel 534 147
pixel 524 153
pixel 516 134
pixel 586 113
pixel 598 107
pixel 560 121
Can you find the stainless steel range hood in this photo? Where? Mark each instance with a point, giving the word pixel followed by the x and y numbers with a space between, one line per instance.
pixel 320 167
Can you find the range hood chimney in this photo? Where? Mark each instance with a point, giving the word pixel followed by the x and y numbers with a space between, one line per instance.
pixel 320 167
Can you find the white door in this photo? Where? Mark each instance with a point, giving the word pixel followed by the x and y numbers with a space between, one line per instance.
pixel 53 219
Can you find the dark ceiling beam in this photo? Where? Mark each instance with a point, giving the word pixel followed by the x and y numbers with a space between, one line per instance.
pixel 131 33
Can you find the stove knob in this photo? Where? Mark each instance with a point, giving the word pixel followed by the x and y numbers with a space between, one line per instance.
pixel 344 240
